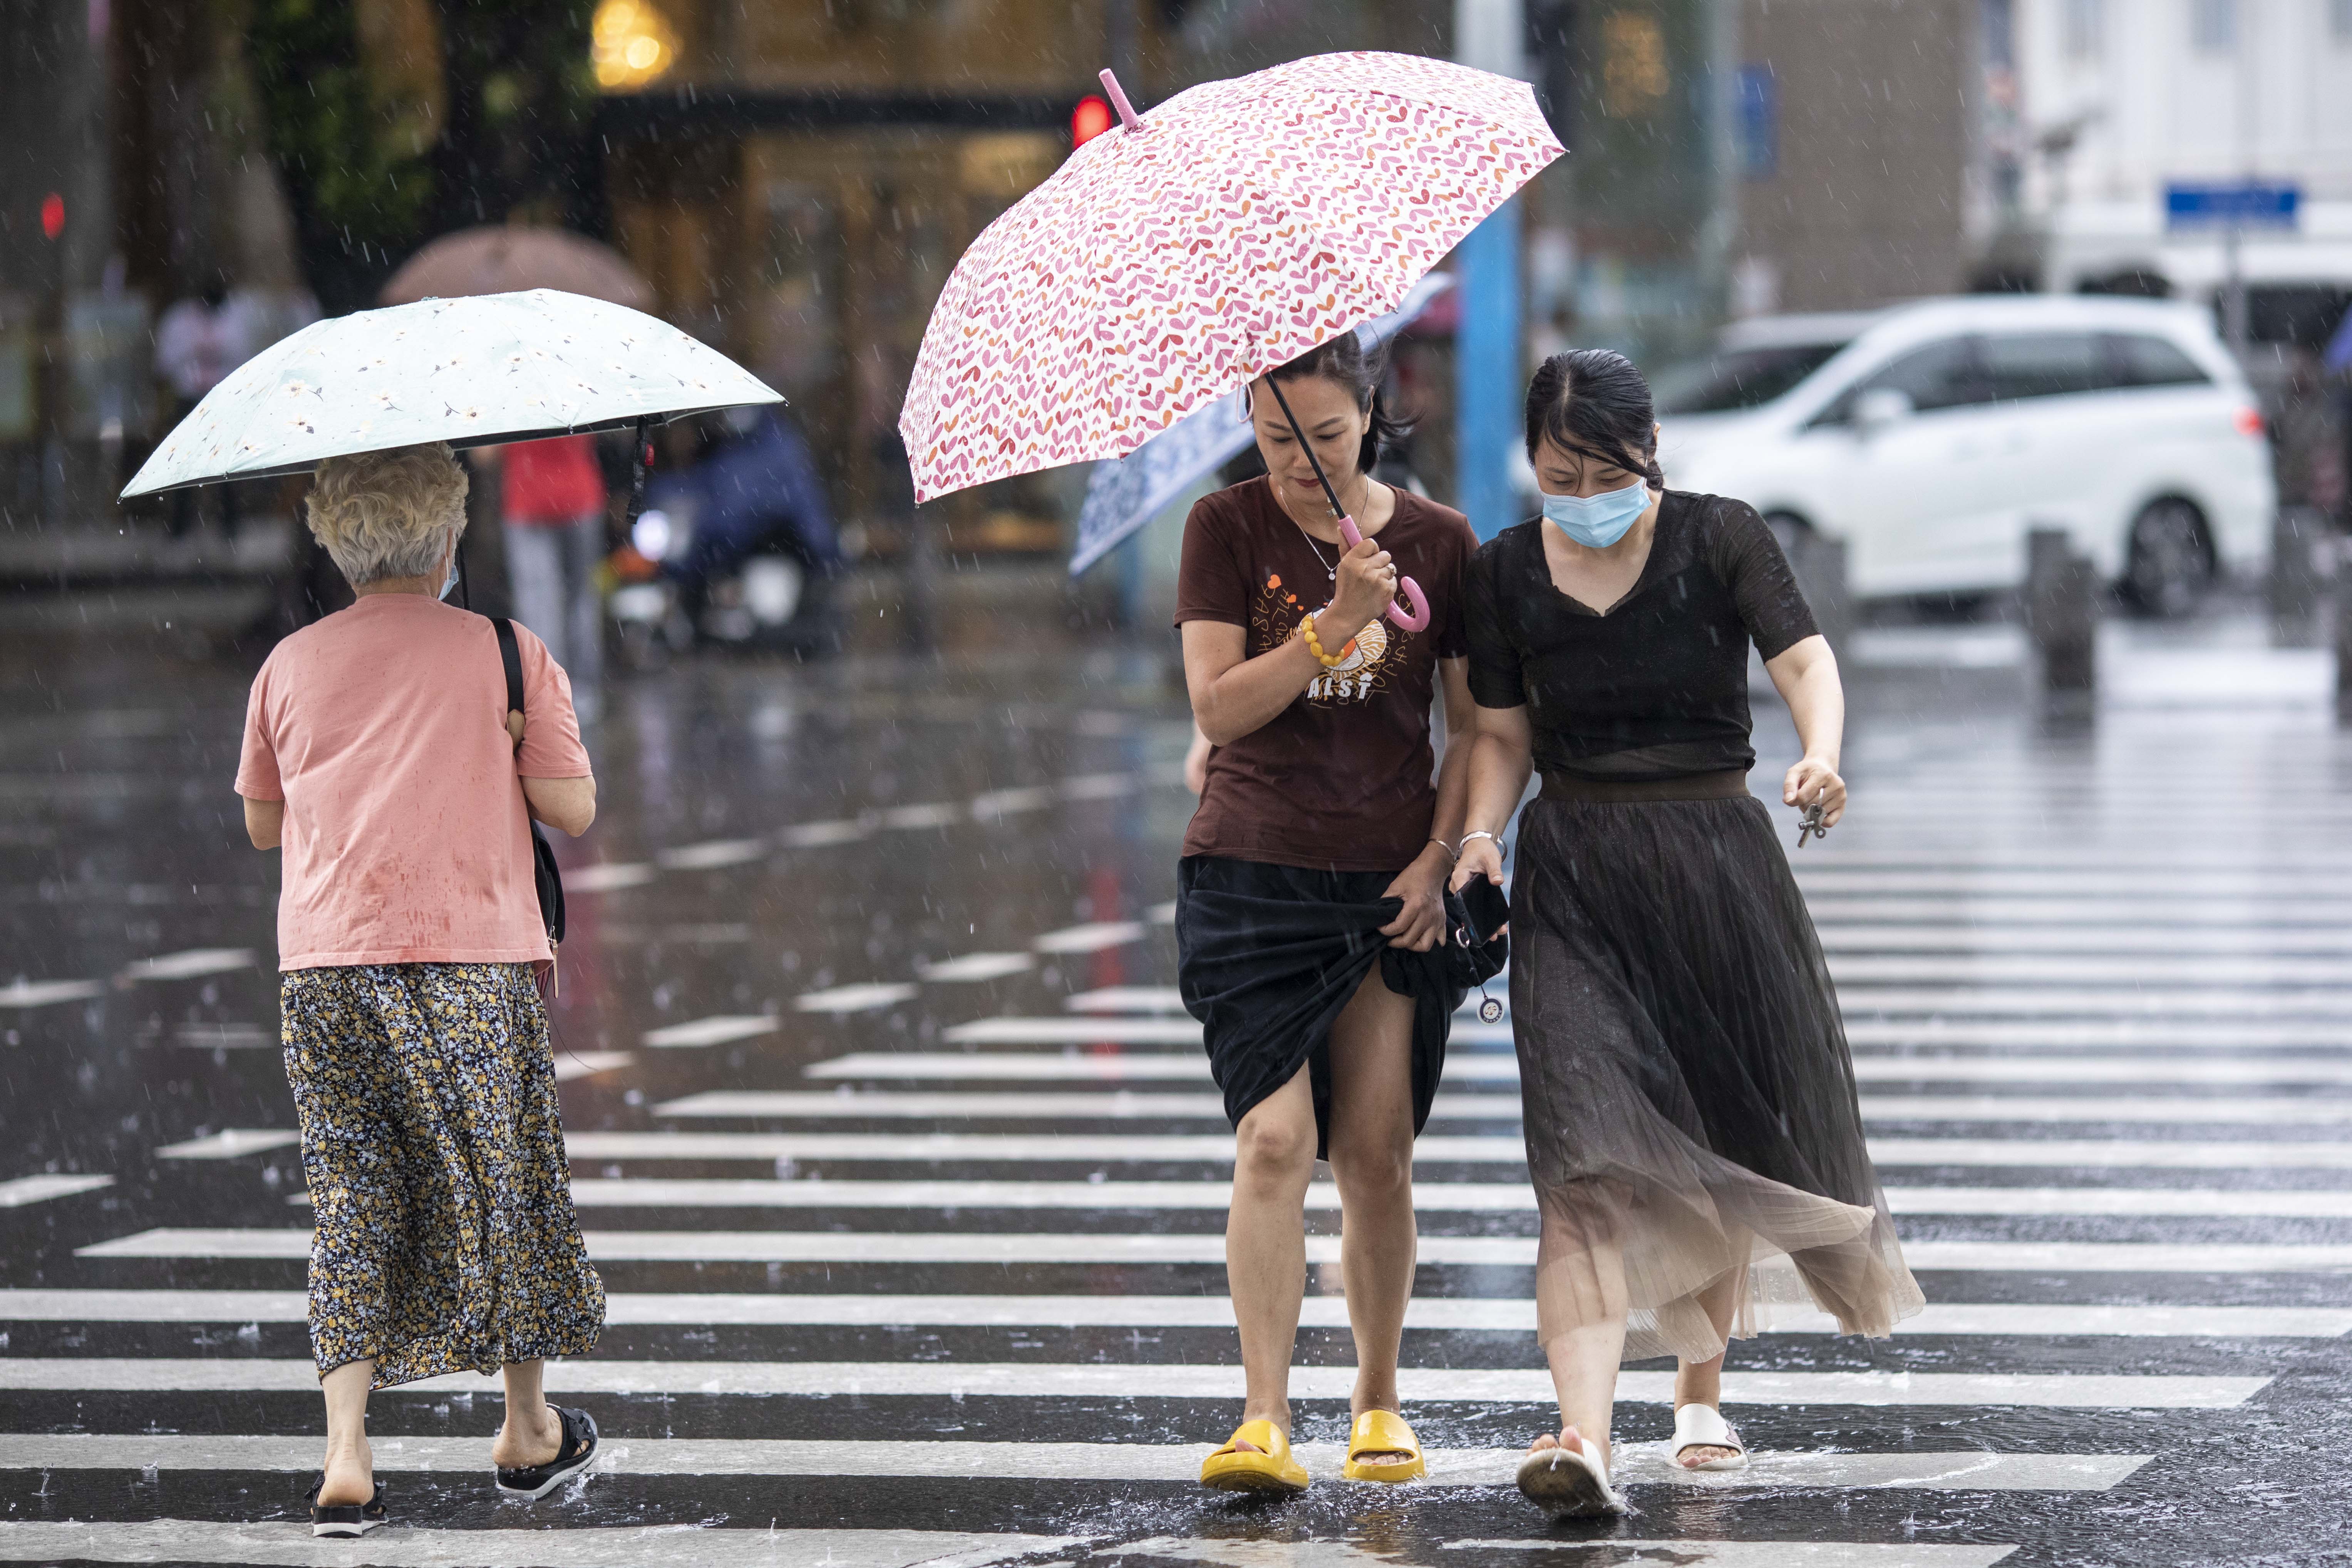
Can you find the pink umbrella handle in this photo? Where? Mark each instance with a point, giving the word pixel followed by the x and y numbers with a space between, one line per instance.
pixel 1412 620
pixel 1127 115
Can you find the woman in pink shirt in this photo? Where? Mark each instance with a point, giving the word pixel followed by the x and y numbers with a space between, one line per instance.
pixel 380 755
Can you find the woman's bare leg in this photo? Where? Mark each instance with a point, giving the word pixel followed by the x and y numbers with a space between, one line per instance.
pixel 1371 1161
pixel 1701 1382
pixel 532 1434
pixel 1584 1359
pixel 350 1466
pixel 1265 1241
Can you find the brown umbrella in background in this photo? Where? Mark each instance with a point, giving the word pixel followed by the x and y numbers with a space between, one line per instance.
pixel 500 259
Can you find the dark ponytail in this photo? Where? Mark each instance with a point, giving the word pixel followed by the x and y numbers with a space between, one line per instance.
pixel 1593 403
pixel 1346 361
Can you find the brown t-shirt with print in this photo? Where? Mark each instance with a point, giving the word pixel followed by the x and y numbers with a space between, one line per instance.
pixel 1341 780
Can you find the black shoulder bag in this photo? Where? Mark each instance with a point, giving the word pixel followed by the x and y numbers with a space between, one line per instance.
pixel 542 854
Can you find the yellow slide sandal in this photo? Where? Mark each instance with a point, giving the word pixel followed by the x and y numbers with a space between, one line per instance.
pixel 1382 1431
pixel 1271 1469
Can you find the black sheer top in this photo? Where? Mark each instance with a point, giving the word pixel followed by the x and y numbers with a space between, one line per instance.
pixel 1657 687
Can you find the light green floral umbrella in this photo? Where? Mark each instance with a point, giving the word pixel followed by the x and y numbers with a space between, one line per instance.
pixel 499 367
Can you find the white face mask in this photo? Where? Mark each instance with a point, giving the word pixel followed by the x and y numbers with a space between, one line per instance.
pixel 450 580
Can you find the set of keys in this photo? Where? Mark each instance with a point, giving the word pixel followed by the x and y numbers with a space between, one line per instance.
pixel 1811 825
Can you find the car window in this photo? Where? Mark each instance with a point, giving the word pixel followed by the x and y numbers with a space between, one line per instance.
pixel 1943 374
pixel 2143 360
pixel 2044 364
pixel 1737 378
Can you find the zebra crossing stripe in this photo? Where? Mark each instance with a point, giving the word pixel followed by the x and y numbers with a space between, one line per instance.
pixel 605 1546
pixel 2124 1002
pixel 2072 1034
pixel 719 1031
pixel 1122 1381
pixel 1684 1552
pixel 1073 1031
pixel 26 1189
pixel 2007 940
pixel 1100 1249
pixel 1644 1464
pixel 1428 1314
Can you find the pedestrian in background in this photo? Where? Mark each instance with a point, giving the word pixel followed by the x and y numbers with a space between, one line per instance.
pixel 198 341
pixel 551 503
pixel 379 753
pixel 1688 1099
pixel 1310 899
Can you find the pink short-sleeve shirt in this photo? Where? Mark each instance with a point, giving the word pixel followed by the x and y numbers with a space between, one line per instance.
pixel 381 727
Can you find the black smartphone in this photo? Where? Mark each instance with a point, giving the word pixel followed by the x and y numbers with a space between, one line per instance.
pixel 1489 909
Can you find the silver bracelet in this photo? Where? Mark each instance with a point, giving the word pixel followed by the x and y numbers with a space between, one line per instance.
pixel 1451 853
pixel 1480 832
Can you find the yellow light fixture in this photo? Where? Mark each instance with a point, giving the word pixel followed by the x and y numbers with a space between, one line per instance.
pixel 632 44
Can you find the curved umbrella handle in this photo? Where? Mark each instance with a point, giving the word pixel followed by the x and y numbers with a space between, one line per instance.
pixel 1412 620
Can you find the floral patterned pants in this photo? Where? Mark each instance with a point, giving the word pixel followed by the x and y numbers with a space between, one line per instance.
pixel 446 1240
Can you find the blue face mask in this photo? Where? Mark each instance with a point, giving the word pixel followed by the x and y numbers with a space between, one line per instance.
pixel 450 580
pixel 1598 522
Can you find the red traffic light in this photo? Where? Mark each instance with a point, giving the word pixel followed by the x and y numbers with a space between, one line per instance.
pixel 53 212
pixel 1089 120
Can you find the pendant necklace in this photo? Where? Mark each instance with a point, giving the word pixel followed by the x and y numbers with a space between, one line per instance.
pixel 1330 568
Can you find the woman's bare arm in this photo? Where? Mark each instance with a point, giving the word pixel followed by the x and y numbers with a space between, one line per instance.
pixel 566 804
pixel 265 822
pixel 1806 674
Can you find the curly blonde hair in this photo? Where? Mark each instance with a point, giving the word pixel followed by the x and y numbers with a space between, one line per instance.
pixel 391 513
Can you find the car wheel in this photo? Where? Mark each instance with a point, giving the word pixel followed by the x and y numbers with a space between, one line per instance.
pixel 2169 568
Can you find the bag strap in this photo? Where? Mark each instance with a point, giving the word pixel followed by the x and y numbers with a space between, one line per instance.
pixel 511 655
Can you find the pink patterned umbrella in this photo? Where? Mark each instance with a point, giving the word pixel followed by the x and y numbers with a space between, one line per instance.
pixel 1229 230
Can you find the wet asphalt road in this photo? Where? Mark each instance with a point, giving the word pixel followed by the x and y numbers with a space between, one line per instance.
pixel 902 1169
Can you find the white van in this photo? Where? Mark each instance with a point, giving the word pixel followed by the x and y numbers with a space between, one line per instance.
pixel 1932 437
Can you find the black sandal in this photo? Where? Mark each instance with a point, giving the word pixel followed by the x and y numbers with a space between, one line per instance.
pixel 343 1519
pixel 534 1481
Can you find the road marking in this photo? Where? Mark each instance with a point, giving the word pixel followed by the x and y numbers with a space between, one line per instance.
pixel 1074 1031
pixel 863 998
pixel 1001 802
pixel 1093 937
pixel 712 855
pixel 1099 1379
pixel 717 1031
pixel 569 1064
pixel 1685 1552
pixel 1432 1314
pixel 26 1189
pixel 1127 999
pixel 930 814
pixel 2184 884
pixel 947 1105
pixel 1097 786
pixel 1095 1247
pixel 2059 1153
pixel 2181 1109
pixel 607 877
pixel 48 993
pixel 2000 920
pixel 190 964
pixel 1644 1464
pixel 2120 1034
pixel 231 1143
pixel 2333 1005
pixel 821 835
pixel 975 966
pixel 2012 939
pixel 608 1546
pixel 1162 914
pixel 2239 973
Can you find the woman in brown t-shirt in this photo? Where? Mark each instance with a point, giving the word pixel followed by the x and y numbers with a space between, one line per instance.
pixel 1309 899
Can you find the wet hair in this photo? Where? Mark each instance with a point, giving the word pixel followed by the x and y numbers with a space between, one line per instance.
pixel 1346 361
pixel 1593 403
pixel 388 513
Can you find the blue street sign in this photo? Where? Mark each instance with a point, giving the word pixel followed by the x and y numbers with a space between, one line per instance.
pixel 2238 204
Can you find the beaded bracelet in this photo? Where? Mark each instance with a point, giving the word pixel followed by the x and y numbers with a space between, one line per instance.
pixel 1315 647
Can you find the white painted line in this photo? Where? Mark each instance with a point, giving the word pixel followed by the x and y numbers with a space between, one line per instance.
pixel 569 1064
pixel 1998 920
pixel 975 966
pixel 1100 1380
pixel 2062 1153
pixel 606 1546
pixel 2077 969
pixel 1138 1066
pixel 819 835
pixel 1127 999
pixel 225 1037
pixel 2093 1108
pixel 863 998
pixel 1095 1247
pixel 1092 937
pixel 48 993
pixel 712 855
pixel 607 877
pixel 1433 1314
pixel 932 815
pixel 1162 914
pixel 1074 1031
pixel 2010 941
pixel 2079 1033
pixel 231 1143
pixel 26 1189
pixel 1686 1551
pixel 1001 802
pixel 188 965
pixel 2184 884
pixel 2334 1006
pixel 2187 1202
pixel 2134 1069
pixel 717 1031
pixel 1123 1106
pixel 1097 786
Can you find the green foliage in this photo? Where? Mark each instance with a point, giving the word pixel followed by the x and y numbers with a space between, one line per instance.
pixel 352 163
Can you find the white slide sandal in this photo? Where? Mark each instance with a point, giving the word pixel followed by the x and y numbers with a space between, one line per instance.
pixel 1703 1426
pixel 1567 1484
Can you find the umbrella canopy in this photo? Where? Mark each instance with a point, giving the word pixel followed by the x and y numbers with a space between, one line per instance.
pixel 1127 492
pixel 500 259
pixel 505 367
pixel 1229 230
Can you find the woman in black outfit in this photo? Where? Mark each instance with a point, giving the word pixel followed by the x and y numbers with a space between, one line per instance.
pixel 1691 1121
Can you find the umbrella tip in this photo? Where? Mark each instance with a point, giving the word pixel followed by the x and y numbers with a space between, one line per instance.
pixel 1127 115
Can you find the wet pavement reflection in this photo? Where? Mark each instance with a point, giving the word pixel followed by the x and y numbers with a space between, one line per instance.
pixel 903 1169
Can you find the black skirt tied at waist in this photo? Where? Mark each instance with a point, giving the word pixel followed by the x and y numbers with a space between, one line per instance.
pixel 1729 785
pixel 1268 955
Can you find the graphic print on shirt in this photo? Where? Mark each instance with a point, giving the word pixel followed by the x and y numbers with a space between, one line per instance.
pixel 1278 616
